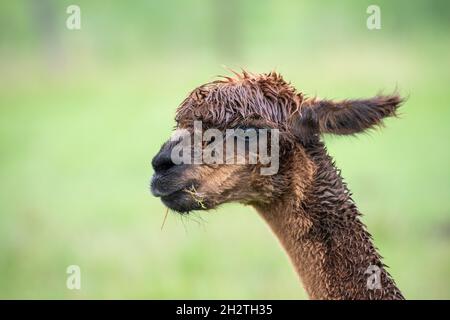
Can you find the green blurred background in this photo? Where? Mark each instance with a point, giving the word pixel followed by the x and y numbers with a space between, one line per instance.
pixel 84 111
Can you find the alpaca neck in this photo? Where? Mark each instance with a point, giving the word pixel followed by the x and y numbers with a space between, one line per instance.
pixel 325 239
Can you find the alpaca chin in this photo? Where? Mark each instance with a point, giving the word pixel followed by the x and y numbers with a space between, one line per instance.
pixel 181 202
pixel 176 194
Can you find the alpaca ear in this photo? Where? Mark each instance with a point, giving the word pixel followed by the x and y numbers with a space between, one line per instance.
pixel 343 117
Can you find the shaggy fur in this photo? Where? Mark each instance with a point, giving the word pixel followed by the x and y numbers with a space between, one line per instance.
pixel 306 204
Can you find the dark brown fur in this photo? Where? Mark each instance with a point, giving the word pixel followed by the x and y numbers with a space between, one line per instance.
pixel 307 204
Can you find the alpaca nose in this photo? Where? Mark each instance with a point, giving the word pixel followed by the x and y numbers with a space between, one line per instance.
pixel 162 161
pixel 165 180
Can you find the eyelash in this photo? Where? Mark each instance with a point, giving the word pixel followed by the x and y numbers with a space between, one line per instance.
pixel 248 128
pixel 207 143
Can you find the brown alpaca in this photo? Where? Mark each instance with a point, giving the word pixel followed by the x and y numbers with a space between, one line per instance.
pixel 306 204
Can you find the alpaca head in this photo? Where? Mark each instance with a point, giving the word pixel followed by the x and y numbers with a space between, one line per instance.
pixel 195 169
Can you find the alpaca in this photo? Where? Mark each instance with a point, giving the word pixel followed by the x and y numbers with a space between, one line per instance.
pixel 306 203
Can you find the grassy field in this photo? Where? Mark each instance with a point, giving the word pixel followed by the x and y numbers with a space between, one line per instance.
pixel 77 138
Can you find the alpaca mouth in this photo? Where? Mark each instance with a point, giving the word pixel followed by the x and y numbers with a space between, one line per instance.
pixel 178 197
pixel 182 202
pixel 163 185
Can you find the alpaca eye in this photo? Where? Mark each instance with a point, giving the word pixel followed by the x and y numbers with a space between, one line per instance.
pixel 248 134
pixel 249 129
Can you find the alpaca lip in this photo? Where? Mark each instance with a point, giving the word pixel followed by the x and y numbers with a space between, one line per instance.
pixel 159 194
pixel 181 201
pixel 158 191
pixel 162 186
pixel 175 196
pixel 172 196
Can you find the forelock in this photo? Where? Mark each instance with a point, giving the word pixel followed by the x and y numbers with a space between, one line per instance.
pixel 233 101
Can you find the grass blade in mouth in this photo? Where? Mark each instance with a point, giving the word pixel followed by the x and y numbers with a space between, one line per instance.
pixel 165 217
pixel 196 196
